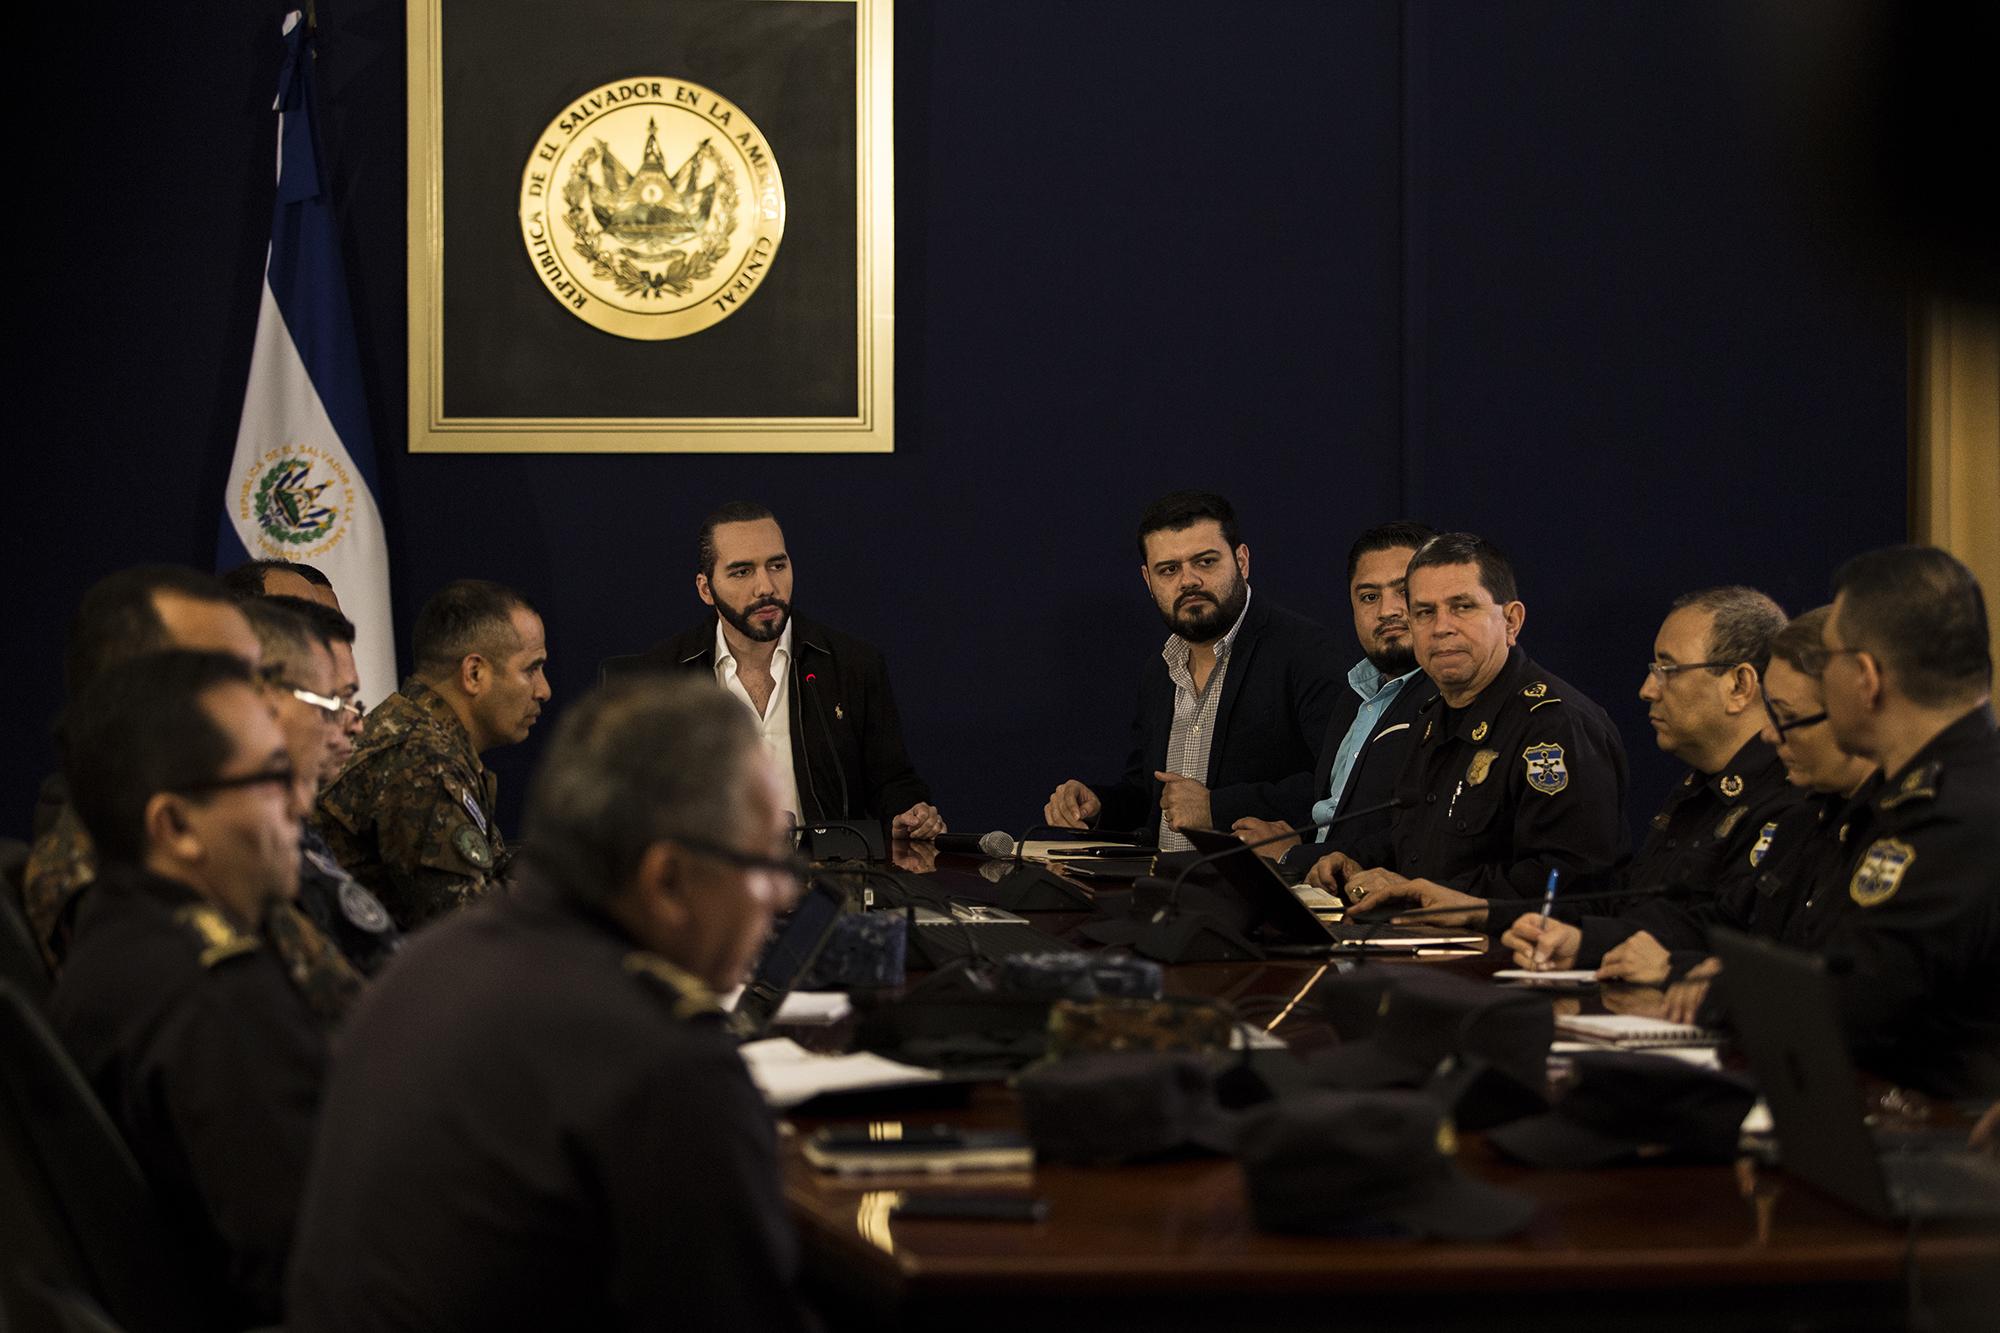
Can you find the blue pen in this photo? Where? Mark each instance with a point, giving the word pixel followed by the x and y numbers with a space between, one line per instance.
pixel 1548 906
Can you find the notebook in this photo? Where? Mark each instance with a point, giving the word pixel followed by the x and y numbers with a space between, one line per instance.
pixel 1787 1013
pixel 1627 1032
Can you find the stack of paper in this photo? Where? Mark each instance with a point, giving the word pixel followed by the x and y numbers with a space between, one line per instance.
pixel 787 1074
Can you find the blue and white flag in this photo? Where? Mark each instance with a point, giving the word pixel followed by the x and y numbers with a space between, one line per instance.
pixel 301 484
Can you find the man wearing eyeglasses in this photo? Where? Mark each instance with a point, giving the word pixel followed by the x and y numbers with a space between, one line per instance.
pixel 538 1118
pixel 128 613
pixel 1704 698
pixel 1908 683
pixel 172 1004
pixel 298 677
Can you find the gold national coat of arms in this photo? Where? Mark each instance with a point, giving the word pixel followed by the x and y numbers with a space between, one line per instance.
pixel 652 208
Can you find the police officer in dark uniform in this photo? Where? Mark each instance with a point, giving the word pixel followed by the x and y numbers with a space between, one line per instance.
pixel 172 1004
pixel 537 1118
pixel 1908 683
pixel 1515 773
pixel 1705 702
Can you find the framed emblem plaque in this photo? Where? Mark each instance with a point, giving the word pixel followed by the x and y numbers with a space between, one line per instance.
pixel 651 228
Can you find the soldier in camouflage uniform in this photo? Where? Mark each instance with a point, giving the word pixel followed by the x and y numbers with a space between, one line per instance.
pixel 412 815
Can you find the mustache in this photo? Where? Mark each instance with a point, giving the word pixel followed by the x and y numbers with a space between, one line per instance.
pixel 1187 597
pixel 767 603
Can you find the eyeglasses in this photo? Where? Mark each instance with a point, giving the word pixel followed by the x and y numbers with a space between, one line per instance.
pixel 793 867
pixel 283 775
pixel 354 708
pixel 273 678
pixel 1660 671
pixel 1782 726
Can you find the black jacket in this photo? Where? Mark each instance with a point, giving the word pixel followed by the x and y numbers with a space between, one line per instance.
pixel 1283 681
pixel 1915 927
pixel 1704 842
pixel 210 1064
pixel 1372 780
pixel 1528 777
pixel 532 1124
pixel 847 741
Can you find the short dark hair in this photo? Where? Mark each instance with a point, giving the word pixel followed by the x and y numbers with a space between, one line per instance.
pixel 137 729
pixel 1184 509
pixel 283 634
pixel 327 624
pixel 639 760
pixel 1386 537
pixel 1801 644
pixel 1920 611
pixel 247 579
pixel 117 617
pixel 1745 622
pixel 736 511
pixel 1496 574
pixel 465 616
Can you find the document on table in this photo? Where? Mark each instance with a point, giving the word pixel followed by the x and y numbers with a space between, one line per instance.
pixel 1552 980
pixel 805 1008
pixel 787 1074
pixel 1058 849
pixel 1629 1033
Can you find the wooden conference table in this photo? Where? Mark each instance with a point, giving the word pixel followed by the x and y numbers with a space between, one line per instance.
pixel 1171 1244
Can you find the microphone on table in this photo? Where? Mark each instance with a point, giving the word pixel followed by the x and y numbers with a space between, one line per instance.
pixel 825 838
pixel 995 845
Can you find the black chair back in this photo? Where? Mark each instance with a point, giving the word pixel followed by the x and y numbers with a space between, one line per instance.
pixel 75 1195
pixel 21 960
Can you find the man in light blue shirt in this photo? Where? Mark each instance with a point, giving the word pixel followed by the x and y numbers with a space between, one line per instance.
pixel 1368 735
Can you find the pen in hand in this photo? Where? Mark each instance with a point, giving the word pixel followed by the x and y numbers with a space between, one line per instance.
pixel 1548 906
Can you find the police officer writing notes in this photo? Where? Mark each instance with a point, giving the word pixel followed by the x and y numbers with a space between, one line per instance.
pixel 1515 773
pixel 1230 720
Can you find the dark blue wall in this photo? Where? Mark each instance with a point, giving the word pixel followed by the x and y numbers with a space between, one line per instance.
pixel 1522 269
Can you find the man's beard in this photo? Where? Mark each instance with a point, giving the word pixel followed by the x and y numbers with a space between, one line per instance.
pixel 749 628
pixel 1396 659
pixel 1210 627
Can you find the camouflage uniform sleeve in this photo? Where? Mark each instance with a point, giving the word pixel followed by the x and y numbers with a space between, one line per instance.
pixel 436 843
pixel 61 865
pixel 327 980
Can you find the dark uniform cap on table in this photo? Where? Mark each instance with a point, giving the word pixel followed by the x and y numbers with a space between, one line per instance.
pixel 1367 1163
pixel 1486 1048
pixel 1630 1106
pixel 1119 1106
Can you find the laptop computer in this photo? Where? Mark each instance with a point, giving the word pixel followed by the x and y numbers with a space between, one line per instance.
pixel 1783 1007
pixel 791 955
pixel 1278 915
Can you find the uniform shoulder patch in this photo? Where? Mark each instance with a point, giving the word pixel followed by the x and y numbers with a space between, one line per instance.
pixel 363 910
pixel 1547 773
pixel 1881 872
pixel 218 938
pixel 1535 691
pixel 689 994
pixel 471 844
pixel 1919 784
pixel 1762 847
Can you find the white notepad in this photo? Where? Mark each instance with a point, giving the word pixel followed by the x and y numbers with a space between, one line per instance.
pixel 1630 1033
pixel 787 1074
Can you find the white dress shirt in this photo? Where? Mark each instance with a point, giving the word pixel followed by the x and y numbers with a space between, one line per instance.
pixel 774 724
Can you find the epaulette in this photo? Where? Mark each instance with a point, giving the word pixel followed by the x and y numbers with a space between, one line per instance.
pixel 1919 784
pixel 1544 703
pixel 218 937
pixel 690 994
